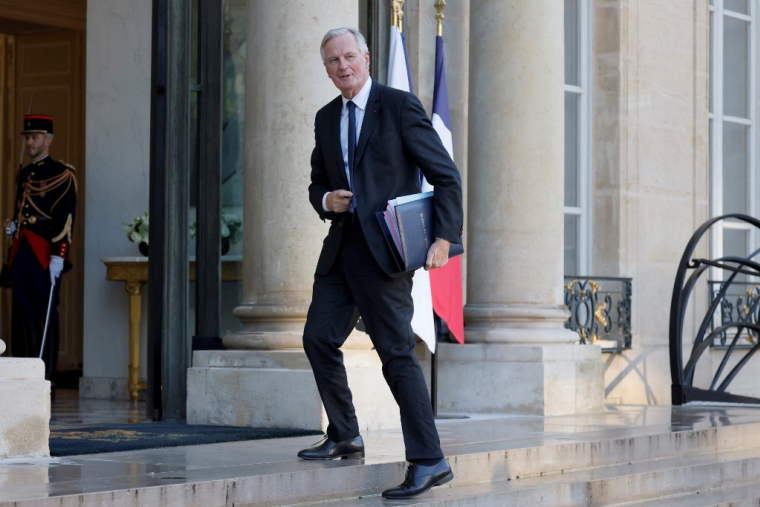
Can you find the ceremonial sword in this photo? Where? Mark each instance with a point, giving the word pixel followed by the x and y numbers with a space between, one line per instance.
pixel 47 317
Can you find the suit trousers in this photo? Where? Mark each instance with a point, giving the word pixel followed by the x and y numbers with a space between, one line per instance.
pixel 356 285
pixel 31 292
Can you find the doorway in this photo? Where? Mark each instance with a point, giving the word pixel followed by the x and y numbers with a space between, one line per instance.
pixel 42 59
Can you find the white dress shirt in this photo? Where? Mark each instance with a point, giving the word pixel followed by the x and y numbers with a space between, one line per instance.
pixel 360 99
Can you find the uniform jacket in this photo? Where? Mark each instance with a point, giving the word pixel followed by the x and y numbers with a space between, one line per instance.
pixel 396 139
pixel 46 197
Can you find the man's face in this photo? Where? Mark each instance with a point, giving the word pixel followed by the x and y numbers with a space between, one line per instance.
pixel 346 65
pixel 37 145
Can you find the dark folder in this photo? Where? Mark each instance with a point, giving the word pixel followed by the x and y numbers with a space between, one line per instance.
pixel 408 230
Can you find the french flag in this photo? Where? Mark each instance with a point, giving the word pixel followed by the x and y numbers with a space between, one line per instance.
pixel 446 282
pixel 423 324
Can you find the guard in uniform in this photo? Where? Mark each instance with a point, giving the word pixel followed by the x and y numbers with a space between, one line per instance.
pixel 46 193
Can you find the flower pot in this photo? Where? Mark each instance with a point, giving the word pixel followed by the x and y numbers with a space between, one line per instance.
pixel 225 246
pixel 143 247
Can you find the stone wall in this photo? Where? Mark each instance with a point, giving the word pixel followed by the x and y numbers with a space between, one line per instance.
pixel 118 146
pixel 650 170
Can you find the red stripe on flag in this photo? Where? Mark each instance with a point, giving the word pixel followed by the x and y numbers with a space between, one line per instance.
pixel 448 303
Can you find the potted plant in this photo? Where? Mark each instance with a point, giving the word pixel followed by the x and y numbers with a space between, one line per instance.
pixel 137 232
pixel 231 232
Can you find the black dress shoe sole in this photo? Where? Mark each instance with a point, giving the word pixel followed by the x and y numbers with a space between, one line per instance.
pixel 350 455
pixel 439 482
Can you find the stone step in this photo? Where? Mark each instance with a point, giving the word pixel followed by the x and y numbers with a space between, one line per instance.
pixel 747 495
pixel 696 480
pixel 561 466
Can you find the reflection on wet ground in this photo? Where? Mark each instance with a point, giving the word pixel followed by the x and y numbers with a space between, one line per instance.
pixel 40 478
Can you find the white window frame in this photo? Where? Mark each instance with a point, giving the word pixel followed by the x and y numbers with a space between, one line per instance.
pixel 583 210
pixel 718 119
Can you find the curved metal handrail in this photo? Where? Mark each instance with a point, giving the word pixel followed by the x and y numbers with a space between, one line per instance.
pixel 682 376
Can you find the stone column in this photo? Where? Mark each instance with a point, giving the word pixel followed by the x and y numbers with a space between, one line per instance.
pixel 286 84
pixel 266 380
pixel 514 314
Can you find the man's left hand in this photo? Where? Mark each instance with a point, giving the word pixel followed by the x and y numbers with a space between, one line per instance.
pixel 438 255
pixel 56 266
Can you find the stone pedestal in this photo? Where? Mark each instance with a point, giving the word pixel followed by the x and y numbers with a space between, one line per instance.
pixel 520 379
pixel 276 389
pixel 25 412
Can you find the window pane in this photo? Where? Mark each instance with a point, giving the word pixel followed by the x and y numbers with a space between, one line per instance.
pixel 736 67
pixel 735 243
pixel 572 141
pixel 572 43
pixel 736 6
pixel 711 147
pixel 572 240
pixel 712 59
pixel 233 128
pixel 735 168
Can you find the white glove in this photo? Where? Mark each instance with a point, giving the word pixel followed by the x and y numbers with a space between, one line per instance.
pixel 11 229
pixel 56 266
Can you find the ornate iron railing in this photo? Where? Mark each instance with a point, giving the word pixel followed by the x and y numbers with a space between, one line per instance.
pixel 738 302
pixel 735 326
pixel 600 310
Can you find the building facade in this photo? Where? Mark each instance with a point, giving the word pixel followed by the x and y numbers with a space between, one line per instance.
pixel 593 136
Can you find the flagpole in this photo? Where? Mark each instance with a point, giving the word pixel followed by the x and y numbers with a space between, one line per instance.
pixel 434 374
pixel 397 14
pixel 439 6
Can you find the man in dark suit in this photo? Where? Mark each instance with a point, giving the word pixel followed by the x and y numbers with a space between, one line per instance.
pixel 369 143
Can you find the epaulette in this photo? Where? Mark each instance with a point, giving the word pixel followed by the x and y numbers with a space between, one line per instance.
pixel 69 166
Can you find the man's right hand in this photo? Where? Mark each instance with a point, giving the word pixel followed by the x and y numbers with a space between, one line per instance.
pixel 339 201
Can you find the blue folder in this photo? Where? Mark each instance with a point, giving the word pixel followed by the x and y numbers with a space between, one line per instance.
pixel 415 219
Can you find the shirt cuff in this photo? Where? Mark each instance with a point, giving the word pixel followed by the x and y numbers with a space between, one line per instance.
pixel 324 201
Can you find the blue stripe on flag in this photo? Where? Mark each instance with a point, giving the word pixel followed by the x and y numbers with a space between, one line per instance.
pixel 440 93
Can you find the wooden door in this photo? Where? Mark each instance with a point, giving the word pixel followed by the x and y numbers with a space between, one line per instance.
pixel 8 166
pixel 49 75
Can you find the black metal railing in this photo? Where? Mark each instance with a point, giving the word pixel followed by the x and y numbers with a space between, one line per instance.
pixel 739 301
pixel 600 310
pixel 738 319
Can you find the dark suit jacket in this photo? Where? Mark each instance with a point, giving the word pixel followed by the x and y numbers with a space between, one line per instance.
pixel 396 138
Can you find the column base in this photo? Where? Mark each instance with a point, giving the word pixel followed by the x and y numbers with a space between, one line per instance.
pixel 25 416
pixel 278 327
pixel 269 340
pixel 276 389
pixel 520 379
pixel 517 323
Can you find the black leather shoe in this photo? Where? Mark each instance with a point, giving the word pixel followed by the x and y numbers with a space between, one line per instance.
pixel 420 479
pixel 346 449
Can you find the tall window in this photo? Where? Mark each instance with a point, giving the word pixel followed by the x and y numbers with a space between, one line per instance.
pixel 577 160
pixel 733 127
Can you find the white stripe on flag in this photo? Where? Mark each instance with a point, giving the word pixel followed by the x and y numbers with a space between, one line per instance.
pixel 444 134
pixel 422 320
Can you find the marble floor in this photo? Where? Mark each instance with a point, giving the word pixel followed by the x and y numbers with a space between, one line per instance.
pixel 29 479
pixel 69 411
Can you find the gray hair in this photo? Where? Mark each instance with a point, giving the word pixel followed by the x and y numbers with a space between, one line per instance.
pixel 337 32
pixel 48 136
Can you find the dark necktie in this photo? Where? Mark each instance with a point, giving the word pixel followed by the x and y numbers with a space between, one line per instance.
pixel 351 148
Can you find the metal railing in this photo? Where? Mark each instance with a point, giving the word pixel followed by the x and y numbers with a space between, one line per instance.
pixel 738 320
pixel 600 310
pixel 740 301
